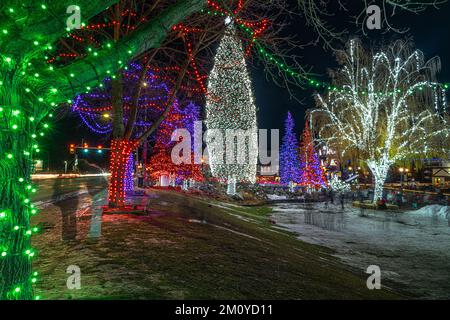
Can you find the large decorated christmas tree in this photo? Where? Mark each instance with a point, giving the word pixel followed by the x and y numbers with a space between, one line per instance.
pixel 312 172
pixel 230 105
pixel 289 159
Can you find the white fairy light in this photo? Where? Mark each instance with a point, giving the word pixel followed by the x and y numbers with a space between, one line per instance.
pixel 230 105
pixel 338 185
pixel 380 113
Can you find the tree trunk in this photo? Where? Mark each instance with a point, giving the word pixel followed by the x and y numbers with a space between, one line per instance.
pixel 15 260
pixel 15 211
pixel 120 153
pixel 379 169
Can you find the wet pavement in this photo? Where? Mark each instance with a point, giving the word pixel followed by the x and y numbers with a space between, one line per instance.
pixel 412 250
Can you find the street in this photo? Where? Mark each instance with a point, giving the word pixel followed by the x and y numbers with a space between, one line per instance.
pixel 54 188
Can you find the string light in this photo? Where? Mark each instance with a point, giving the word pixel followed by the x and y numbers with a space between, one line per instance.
pixel 230 105
pixel 289 157
pixel 383 128
pixel 312 173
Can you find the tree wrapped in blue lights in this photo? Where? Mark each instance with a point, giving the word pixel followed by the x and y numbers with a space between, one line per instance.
pixel 289 158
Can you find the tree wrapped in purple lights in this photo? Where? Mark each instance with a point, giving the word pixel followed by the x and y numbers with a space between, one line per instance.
pixel 289 158
pixel 95 110
pixel 129 186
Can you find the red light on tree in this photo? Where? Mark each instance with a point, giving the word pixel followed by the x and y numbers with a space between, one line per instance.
pixel 313 174
pixel 120 152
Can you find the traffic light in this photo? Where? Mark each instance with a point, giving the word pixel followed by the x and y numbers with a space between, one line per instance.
pixel 99 149
pixel 72 148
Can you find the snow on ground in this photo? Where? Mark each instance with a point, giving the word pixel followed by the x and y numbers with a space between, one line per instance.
pixel 276 197
pixel 433 210
pixel 412 248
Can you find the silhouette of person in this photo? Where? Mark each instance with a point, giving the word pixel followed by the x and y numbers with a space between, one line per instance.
pixel 68 209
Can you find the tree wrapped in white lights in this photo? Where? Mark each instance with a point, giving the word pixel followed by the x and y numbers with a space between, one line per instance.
pixel 338 185
pixel 385 106
pixel 231 113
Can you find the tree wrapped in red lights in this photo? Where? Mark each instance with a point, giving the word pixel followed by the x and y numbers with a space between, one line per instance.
pixel 120 154
pixel 154 94
pixel 312 173
pixel 130 120
pixel 161 163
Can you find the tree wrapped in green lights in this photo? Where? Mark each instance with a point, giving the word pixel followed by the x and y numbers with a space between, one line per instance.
pixel 30 89
pixel 230 108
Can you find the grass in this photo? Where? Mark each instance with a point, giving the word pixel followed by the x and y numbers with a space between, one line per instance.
pixel 191 248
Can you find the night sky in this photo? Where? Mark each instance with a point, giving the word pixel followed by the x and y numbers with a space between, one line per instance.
pixel 429 31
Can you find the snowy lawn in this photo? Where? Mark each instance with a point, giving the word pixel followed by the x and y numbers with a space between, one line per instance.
pixel 412 248
pixel 186 248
